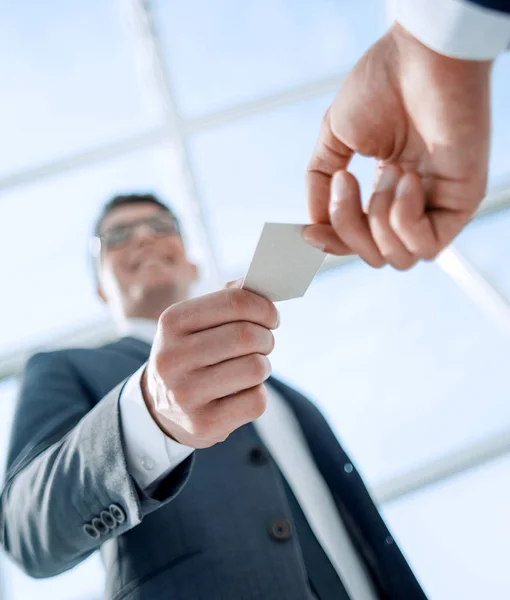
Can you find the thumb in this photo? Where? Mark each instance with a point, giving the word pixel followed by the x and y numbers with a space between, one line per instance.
pixel 238 283
pixel 329 156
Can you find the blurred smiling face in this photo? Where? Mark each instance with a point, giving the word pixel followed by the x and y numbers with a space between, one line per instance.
pixel 142 253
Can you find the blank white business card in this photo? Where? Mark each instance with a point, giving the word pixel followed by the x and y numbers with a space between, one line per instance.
pixel 283 265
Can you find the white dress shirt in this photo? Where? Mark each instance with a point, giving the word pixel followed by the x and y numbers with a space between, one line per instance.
pixel 456 28
pixel 151 456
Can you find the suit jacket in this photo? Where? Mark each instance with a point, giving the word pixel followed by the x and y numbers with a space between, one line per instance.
pixel 203 534
pixel 499 5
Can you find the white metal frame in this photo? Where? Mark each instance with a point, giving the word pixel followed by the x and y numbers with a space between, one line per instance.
pixel 175 131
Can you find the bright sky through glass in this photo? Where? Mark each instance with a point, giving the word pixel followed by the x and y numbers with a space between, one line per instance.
pixel 69 81
pixel 456 534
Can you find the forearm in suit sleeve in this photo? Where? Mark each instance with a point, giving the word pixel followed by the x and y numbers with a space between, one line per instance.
pixel 66 466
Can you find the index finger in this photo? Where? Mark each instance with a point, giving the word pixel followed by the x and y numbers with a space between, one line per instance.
pixel 220 308
pixel 329 156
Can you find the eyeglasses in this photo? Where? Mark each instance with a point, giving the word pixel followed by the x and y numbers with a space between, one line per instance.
pixel 120 235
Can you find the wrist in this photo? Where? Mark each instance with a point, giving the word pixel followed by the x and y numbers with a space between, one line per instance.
pixel 149 395
pixel 457 79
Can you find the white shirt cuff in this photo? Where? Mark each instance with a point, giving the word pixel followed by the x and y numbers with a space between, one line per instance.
pixel 150 454
pixel 456 28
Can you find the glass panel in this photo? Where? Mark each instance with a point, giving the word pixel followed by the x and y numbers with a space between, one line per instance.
pixel 44 233
pixel 499 164
pixel 88 577
pixel 68 80
pixel 457 534
pixel 84 582
pixel 404 365
pixel 253 171
pixel 486 244
pixel 223 53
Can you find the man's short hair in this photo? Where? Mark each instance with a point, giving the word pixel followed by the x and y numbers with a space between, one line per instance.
pixel 126 200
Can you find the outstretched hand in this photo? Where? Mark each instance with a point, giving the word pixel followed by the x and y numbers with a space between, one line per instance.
pixel 426 119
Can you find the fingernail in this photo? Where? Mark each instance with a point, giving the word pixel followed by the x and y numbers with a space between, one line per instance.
pixel 405 186
pixel 235 284
pixel 337 187
pixel 277 318
pixel 387 179
pixel 315 243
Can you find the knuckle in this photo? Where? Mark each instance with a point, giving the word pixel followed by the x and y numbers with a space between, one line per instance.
pixel 239 301
pixel 245 304
pixel 344 228
pixel 260 367
pixel 375 258
pixel 168 319
pixel 378 210
pixel 404 264
pixel 246 334
pixel 270 342
pixel 430 252
pixel 177 318
pixel 258 401
pixel 319 162
pixel 185 318
pixel 378 263
pixel 420 245
pixel 205 428
pixel 201 427
pixel 170 361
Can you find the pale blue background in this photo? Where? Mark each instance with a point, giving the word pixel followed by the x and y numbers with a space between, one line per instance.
pixel 405 366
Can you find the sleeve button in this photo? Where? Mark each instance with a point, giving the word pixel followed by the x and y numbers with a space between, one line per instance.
pixel 100 526
pixel 108 519
pixel 117 513
pixel 91 531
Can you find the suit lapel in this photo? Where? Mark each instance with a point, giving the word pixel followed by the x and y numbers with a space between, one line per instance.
pixel 134 347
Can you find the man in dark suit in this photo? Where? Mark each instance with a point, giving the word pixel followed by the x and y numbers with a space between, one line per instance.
pixel 168 452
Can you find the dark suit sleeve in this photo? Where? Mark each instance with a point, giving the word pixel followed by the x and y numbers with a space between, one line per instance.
pixel 66 466
pixel 499 5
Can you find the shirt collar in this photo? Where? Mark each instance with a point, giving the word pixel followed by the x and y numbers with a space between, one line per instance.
pixel 141 329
